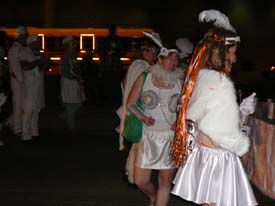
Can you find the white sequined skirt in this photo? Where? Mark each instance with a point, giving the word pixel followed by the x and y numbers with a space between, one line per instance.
pixel 213 176
pixel 154 150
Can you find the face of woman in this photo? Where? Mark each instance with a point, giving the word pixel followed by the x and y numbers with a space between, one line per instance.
pixel 149 55
pixel 171 62
pixel 232 53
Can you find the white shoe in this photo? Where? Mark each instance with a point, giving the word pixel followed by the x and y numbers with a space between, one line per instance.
pixel 26 138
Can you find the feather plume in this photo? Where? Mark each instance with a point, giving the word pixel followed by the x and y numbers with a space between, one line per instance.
pixel 219 19
pixel 155 37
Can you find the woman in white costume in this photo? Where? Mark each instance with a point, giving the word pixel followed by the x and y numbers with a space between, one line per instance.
pixel 159 96
pixel 147 58
pixel 210 143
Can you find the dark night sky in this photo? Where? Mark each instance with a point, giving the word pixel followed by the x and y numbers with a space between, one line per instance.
pixel 254 20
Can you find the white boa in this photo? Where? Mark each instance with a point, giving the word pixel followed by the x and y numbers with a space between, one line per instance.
pixel 214 107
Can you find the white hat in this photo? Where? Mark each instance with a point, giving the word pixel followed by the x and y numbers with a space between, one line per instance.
pixel 185 46
pixel 32 39
pixel 156 38
pixel 21 30
pixel 67 39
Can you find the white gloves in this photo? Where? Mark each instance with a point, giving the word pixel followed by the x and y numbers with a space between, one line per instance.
pixel 248 106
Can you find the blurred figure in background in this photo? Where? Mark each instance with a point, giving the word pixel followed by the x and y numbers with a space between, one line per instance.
pixel 186 49
pixel 112 48
pixel 16 74
pixel 72 93
pixel 4 69
pixel 3 98
pixel 33 65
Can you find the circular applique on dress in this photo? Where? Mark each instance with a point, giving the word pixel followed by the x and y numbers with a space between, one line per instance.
pixel 149 99
pixel 173 103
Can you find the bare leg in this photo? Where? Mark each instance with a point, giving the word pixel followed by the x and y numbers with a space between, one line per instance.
pixel 165 178
pixel 142 178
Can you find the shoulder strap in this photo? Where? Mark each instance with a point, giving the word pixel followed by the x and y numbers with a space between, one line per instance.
pixel 139 102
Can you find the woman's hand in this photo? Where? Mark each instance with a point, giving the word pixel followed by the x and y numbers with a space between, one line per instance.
pixel 149 121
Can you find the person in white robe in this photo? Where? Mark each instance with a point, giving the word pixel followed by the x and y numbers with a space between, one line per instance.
pixel 17 79
pixel 33 65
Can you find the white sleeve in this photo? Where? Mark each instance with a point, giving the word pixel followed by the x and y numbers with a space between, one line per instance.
pixel 15 67
pixel 221 121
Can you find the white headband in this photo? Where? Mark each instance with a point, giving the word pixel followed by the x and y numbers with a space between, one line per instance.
pixel 232 40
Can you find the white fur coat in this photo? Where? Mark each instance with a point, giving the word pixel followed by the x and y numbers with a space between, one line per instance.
pixel 214 107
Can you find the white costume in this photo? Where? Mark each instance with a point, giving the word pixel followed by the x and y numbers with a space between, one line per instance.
pixel 16 85
pixel 215 175
pixel 33 100
pixel 159 103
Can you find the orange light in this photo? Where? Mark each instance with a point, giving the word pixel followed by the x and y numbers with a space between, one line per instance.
pixel 50 70
pixel 124 59
pixel 96 58
pixel 272 68
pixel 43 41
pixel 55 58
pixel 82 51
pixel 79 58
pixel 6 58
pixel 85 35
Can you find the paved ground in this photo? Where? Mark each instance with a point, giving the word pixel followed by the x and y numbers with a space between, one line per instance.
pixel 60 169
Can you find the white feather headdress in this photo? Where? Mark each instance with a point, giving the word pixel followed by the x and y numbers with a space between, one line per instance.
pixel 219 20
pixel 156 38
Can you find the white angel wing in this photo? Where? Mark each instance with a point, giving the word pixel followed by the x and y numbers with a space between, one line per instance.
pixel 219 19
pixel 155 37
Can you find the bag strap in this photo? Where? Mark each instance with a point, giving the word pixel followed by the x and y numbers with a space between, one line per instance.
pixel 139 102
